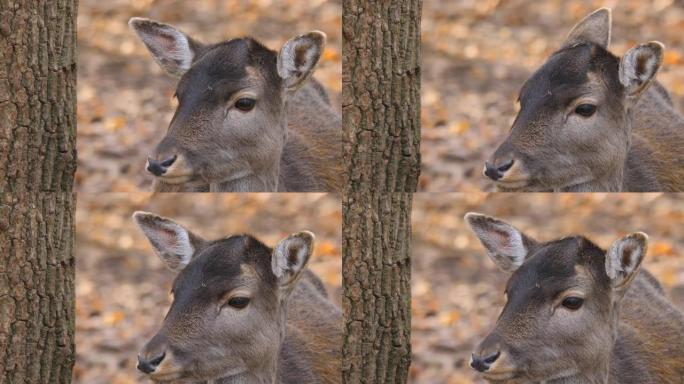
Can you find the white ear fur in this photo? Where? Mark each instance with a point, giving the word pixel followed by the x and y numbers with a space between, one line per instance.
pixel 170 48
pixel 171 241
pixel 594 28
pixel 639 67
pixel 504 243
pixel 290 257
pixel 624 258
pixel 298 57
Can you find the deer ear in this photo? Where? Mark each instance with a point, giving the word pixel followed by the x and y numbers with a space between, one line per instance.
pixel 290 257
pixel 595 28
pixel 624 257
pixel 172 49
pixel 639 66
pixel 298 57
pixel 506 246
pixel 174 244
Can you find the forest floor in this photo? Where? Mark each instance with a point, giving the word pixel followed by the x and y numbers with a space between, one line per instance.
pixel 125 100
pixel 458 291
pixel 122 288
pixel 478 53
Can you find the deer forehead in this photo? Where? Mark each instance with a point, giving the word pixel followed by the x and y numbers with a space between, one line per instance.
pixel 232 64
pixel 225 264
pixel 570 73
pixel 556 266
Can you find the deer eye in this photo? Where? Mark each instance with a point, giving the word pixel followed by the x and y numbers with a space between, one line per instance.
pixel 586 110
pixel 238 302
pixel 245 104
pixel 573 303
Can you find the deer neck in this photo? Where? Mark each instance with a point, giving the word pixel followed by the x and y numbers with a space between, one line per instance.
pixel 263 180
pixel 610 180
pixel 598 377
pixel 265 373
pixel 263 376
pixel 609 183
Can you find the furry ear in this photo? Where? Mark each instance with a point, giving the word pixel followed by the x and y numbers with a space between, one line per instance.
pixel 639 66
pixel 174 244
pixel 298 57
pixel 290 257
pixel 594 28
pixel 172 49
pixel 624 257
pixel 506 246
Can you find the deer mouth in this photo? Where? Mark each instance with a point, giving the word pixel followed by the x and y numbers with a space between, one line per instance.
pixel 178 173
pixel 513 184
pixel 171 374
pixel 503 375
pixel 175 179
pixel 513 177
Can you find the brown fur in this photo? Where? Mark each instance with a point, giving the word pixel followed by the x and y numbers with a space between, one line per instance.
pixel 315 323
pixel 649 329
pixel 631 142
pixel 249 119
pixel 625 331
pixel 286 330
pixel 310 156
pixel 657 142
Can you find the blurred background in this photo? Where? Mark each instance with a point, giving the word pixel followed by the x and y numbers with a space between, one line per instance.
pixel 125 99
pixel 458 291
pixel 478 53
pixel 122 288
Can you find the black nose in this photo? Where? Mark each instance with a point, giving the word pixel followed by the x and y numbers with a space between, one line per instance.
pixel 483 363
pixel 496 172
pixel 149 366
pixel 159 168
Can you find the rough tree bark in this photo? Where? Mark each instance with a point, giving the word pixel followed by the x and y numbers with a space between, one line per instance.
pixel 37 164
pixel 381 118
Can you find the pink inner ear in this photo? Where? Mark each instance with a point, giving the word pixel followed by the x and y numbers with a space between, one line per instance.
pixel 169 237
pixel 291 255
pixel 500 238
pixel 627 252
pixel 167 41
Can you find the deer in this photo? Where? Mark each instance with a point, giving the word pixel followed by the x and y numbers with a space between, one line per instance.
pixel 592 122
pixel 577 313
pixel 242 312
pixel 248 119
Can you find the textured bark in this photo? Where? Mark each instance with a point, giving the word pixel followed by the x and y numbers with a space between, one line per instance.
pixel 37 164
pixel 37 95
pixel 36 288
pixel 381 118
pixel 381 93
pixel 376 269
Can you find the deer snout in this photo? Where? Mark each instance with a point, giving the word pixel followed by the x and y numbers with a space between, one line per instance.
pixel 482 363
pixel 159 167
pixel 150 365
pixel 498 168
pixel 152 355
pixel 492 359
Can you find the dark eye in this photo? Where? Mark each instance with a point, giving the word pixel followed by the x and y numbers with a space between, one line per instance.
pixel 573 303
pixel 245 104
pixel 585 110
pixel 238 302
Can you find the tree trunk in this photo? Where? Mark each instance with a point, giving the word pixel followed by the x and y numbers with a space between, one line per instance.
pixel 37 288
pixel 37 95
pixel 37 164
pixel 381 118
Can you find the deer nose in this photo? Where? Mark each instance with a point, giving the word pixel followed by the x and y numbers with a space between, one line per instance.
pixel 150 365
pixel 496 172
pixel 157 167
pixel 482 363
